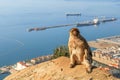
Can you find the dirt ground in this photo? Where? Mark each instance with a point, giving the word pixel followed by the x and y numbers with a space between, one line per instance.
pixel 58 69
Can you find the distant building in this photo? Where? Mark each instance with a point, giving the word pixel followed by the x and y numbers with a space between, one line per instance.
pixel 109 56
pixel 41 59
pixel 34 61
pixel 20 66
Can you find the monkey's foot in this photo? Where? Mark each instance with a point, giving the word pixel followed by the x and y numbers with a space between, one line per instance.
pixel 72 65
pixel 88 70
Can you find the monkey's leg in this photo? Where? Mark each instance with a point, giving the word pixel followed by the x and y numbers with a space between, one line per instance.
pixel 78 59
pixel 88 66
pixel 87 62
pixel 72 61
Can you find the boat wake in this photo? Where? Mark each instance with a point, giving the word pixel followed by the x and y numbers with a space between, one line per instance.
pixel 20 43
pixel 13 48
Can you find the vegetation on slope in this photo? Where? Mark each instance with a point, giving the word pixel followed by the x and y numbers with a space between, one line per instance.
pixel 60 51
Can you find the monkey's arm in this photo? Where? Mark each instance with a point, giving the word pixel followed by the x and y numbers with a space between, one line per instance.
pixel 70 50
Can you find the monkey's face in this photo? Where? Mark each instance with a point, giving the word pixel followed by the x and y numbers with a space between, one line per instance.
pixel 74 32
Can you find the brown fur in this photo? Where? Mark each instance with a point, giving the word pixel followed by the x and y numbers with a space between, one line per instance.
pixel 79 50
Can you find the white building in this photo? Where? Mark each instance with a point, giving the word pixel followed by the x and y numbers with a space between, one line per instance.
pixel 20 66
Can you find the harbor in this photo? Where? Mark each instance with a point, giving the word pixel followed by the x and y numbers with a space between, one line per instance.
pixel 95 21
pixel 19 43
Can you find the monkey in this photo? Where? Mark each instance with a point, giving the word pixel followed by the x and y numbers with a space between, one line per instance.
pixel 79 50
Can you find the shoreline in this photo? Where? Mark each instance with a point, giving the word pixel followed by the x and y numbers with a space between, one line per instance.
pixel 98 44
pixel 28 63
pixel 105 42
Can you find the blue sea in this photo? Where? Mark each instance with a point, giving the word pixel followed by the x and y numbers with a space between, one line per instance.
pixel 16 16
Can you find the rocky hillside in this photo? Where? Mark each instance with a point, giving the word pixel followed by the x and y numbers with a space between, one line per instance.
pixel 58 69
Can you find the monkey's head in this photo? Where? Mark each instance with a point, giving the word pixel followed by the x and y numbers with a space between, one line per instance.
pixel 74 32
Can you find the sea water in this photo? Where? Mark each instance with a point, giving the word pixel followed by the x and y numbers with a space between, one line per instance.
pixel 16 16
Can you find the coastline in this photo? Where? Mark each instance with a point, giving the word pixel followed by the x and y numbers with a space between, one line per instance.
pixel 99 44
pixel 31 62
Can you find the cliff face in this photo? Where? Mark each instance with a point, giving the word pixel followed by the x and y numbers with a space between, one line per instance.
pixel 58 69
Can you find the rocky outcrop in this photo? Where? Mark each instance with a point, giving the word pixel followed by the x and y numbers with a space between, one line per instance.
pixel 58 69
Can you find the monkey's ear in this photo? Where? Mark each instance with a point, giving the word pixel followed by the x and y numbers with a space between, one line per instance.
pixel 78 30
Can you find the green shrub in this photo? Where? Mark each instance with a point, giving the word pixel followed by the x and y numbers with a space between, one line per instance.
pixel 61 51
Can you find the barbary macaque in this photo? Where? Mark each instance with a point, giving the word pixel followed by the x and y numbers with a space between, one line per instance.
pixel 80 52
